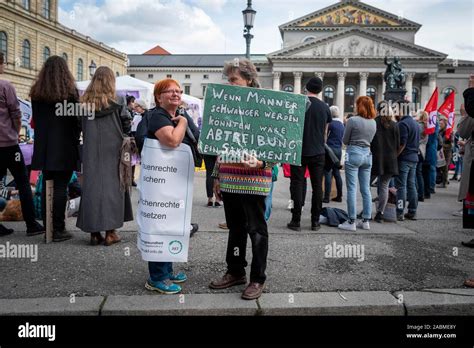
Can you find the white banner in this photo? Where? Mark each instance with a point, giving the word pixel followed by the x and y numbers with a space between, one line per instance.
pixel 166 197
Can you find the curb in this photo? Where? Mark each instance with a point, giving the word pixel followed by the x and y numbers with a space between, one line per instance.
pixel 365 303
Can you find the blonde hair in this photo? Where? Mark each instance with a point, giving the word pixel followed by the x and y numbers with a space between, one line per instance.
pixel 101 90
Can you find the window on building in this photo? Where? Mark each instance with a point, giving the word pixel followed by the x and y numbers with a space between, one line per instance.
pixel 450 71
pixel 349 99
pixel 415 95
pixel 187 76
pixel 288 88
pixel 65 57
pixel 328 95
pixel 117 74
pixel 447 91
pixel 372 93
pixel 26 4
pixel 169 76
pixel 132 75
pixel 46 53
pixel 4 44
pixel 26 54
pixel 80 70
pixel 150 76
pixel 47 9
pixel 308 38
pixel 205 77
pixel 204 88
pixel 187 90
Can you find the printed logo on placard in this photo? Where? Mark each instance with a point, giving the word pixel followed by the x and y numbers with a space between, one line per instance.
pixel 175 247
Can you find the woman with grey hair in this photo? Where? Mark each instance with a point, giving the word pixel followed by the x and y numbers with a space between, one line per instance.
pixel 243 187
pixel 334 141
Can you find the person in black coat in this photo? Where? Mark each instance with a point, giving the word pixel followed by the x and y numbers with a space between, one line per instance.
pixel 54 100
pixel 384 148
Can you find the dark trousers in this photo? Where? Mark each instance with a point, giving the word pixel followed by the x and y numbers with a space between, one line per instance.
pixel 210 162
pixel 426 170
pixel 11 158
pixel 420 182
pixel 245 214
pixel 337 176
pixel 61 180
pixel 315 166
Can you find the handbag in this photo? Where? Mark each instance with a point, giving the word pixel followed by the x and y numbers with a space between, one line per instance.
pixel 197 156
pixel 331 159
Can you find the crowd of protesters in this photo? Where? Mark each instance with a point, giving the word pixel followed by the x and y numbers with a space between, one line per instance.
pixel 383 142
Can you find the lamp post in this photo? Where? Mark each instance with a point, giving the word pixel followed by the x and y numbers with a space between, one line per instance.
pixel 249 17
pixel 92 68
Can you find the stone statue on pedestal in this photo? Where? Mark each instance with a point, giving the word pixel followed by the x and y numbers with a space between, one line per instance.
pixel 395 79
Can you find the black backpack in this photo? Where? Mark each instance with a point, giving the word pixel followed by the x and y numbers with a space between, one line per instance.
pixel 142 130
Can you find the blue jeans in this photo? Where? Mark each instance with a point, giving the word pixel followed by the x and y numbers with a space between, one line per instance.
pixel 3 203
pixel 160 271
pixel 458 169
pixel 432 178
pixel 406 187
pixel 358 164
pixel 268 204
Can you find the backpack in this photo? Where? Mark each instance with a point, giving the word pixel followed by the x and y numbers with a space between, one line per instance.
pixel 142 130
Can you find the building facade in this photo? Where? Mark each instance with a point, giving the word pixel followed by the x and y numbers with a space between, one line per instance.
pixel 345 44
pixel 30 33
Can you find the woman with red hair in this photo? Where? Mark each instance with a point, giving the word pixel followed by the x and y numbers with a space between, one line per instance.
pixel 169 125
pixel 359 132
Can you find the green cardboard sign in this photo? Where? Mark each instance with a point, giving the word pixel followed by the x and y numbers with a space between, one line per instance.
pixel 263 123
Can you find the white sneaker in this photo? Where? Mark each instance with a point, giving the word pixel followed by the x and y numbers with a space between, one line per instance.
pixel 347 226
pixel 291 205
pixel 458 213
pixel 364 225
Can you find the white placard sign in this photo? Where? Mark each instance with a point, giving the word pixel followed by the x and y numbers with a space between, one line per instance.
pixel 166 197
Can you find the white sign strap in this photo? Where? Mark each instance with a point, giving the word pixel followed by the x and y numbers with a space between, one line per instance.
pixel 166 197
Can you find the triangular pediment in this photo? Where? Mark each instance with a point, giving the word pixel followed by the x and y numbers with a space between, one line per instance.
pixel 350 13
pixel 356 43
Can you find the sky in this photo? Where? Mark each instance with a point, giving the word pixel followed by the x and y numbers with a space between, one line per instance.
pixel 216 26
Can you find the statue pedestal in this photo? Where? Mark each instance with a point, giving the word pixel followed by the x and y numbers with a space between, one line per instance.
pixel 395 94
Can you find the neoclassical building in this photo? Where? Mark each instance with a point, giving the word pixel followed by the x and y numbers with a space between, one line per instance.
pixel 345 44
pixel 30 33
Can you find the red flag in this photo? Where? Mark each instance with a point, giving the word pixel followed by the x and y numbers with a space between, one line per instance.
pixel 447 109
pixel 432 110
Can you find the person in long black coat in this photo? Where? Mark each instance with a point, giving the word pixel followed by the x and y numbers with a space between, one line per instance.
pixel 57 130
pixel 384 148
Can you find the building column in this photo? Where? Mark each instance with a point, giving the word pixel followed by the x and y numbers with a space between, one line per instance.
pixel 432 82
pixel 297 84
pixel 341 81
pixel 363 83
pixel 409 86
pixel 276 80
pixel 380 89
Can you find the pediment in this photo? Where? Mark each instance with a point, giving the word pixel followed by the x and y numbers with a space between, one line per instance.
pixel 350 13
pixel 355 43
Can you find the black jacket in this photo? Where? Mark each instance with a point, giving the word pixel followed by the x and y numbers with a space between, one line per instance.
pixel 384 148
pixel 56 145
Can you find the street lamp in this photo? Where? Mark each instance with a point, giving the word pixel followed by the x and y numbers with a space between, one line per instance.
pixel 92 68
pixel 249 17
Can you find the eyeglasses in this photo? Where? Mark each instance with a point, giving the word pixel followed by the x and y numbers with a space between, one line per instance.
pixel 171 91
